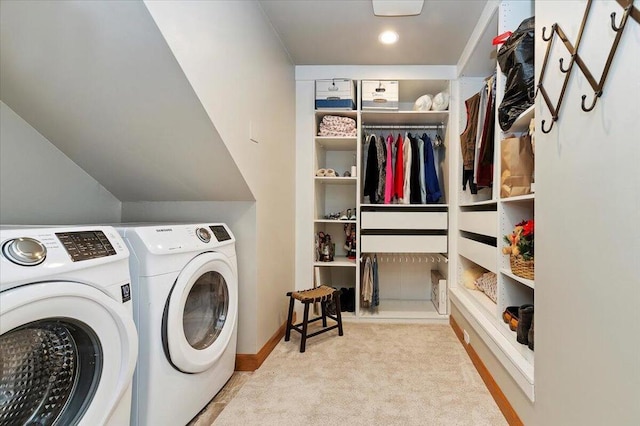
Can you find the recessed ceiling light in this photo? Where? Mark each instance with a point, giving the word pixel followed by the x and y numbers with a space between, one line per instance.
pixel 388 37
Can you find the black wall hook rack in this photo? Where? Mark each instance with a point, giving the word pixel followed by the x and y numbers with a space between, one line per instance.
pixel 629 10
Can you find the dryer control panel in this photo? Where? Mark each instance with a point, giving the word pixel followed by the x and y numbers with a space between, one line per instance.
pixel 86 245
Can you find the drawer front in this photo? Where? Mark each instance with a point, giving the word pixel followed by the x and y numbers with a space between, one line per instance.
pixel 403 244
pixel 483 254
pixel 403 220
pixel 484 223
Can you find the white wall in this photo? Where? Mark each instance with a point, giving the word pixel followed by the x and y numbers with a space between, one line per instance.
pixel 40 185
pixel 243 76
pixel 587 234
pixel 241 218
pixel 98 80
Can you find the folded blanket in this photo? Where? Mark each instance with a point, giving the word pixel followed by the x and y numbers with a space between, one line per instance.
pixel 333 125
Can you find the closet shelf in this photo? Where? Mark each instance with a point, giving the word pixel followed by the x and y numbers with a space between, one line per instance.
pixel 341 112
pixel 522 122
pixel 404 117
pixel 488 307
pixel 338 261
pixel 390 206
pixel 336 180
pixel 528 283
pixel 479 203
pixel 519 198
pixel 330 143
pixel 403 309
pixel 333 221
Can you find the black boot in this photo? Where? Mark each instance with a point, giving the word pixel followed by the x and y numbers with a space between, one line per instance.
pixel 530 336
pixel 525 318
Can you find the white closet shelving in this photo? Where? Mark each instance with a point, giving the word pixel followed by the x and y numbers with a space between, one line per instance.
pixel 406 253
pixel 483 218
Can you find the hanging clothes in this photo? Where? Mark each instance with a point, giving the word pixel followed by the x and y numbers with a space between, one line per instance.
pixel 415 171
pixel 423 187
pixel 430 174
pixel 375 294
pixel 367 282
pixel 484 171
pixel 372 173
pixel 365 156
pixel 382 171
pixel 479 128
pixel 388 186
pixel 468 143
pixel 406 199
pixel 398 181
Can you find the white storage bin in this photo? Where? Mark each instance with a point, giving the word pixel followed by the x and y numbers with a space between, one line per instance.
pixel 403 220
pixel 380 94
pixel 337 93
pixel 439 292
pixel 403 244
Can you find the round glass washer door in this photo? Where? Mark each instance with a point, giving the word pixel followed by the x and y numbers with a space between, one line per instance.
pixel 200 313
pixel 56 341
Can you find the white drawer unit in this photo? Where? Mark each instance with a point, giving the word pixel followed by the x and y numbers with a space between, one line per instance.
pixel 479 222
pixel 403 244
pixel 403 220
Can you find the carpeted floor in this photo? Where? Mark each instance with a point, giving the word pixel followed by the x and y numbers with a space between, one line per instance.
pixel 376 374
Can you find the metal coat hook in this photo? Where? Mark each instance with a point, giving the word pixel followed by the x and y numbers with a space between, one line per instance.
pixel 593 104
pixel 568 68
pixel 613 22
pixel 544 30
pixel 550 127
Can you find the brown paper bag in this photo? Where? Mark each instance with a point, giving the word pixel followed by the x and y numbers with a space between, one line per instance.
pixel 516 166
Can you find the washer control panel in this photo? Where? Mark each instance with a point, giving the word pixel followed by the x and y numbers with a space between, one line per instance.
pixel 86 245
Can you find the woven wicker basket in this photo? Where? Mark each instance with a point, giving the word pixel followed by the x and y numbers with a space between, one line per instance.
pixel 520 267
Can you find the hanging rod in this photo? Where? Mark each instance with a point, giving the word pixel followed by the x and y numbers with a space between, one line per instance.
pixel 383 127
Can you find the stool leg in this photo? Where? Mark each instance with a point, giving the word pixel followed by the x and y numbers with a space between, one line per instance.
pixel 287 335
pixel 336 297
pixel 323 307
pixel 305 322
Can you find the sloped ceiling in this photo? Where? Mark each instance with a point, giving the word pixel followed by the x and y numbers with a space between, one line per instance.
pixel 97 79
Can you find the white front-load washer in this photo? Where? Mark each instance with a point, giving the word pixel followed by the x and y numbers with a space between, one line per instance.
pixel 185 291
pixel 68 343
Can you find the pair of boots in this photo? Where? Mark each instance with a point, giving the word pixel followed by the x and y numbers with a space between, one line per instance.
pixel 525 326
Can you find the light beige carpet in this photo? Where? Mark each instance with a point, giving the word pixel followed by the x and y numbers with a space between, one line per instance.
pixel 376 374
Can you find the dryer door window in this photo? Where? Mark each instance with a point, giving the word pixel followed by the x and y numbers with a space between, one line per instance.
pixel 50 372
pixel 205 310
pixel 200 313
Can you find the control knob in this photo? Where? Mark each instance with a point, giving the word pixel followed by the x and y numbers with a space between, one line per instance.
pixel 24 251
pixel 203 234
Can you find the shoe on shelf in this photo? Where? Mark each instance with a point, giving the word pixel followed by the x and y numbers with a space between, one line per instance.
pixel 321 173
pixel 530 336
pixel 525 318
pixel 510 316
pixel 352 216
pixel 330 173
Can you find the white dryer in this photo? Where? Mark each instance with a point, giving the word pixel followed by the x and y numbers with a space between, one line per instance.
pixel 68 343
pixel 185 290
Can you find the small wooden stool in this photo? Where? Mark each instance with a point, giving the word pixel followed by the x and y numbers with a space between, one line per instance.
pixel 322 294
